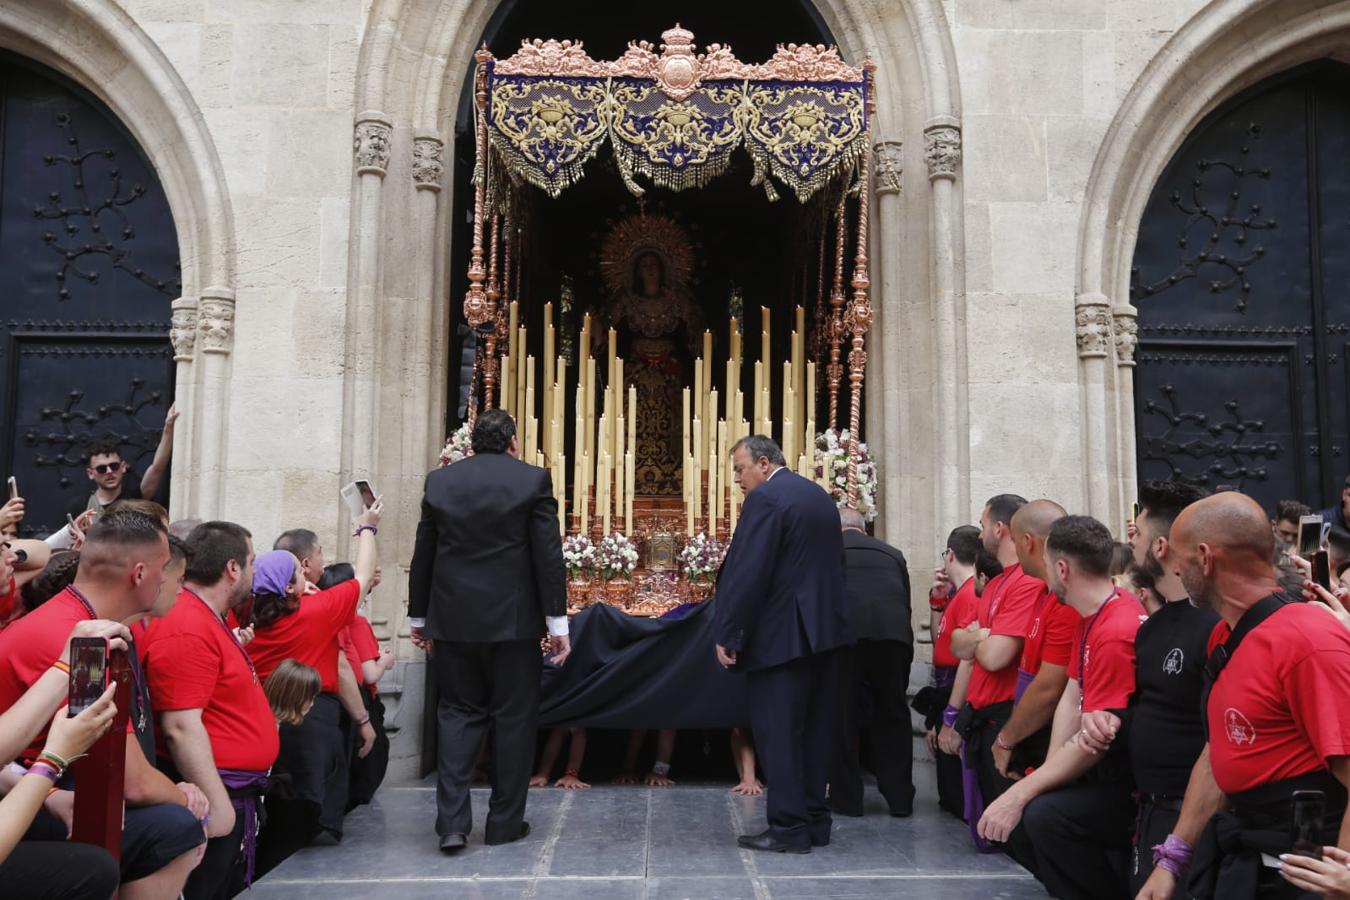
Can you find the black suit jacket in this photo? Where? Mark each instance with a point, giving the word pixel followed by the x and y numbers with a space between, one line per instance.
pixel 488 563
pixel 878 589
pixel 780 595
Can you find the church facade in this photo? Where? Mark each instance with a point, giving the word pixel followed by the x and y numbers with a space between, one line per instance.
pixel 1025 273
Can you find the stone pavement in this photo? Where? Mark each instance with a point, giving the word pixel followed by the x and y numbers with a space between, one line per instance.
pixel 628 843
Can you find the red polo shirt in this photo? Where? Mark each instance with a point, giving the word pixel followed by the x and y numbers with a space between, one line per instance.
pixel 310 634
pixel 11 605
pixel 1007 607
pixel 1103 653
pixel 193 661
pixel 959 612
pixel 1278 708
pixel 1053 630
pixel 30 645
pixel 360 645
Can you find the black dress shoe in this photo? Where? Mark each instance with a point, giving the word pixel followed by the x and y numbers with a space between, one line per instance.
pixel 452 842
pixel 524 830
pixel 766 841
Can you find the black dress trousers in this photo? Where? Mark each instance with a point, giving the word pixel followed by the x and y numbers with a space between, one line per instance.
pixel 484 685
pixel 874 676
pixel 1081 836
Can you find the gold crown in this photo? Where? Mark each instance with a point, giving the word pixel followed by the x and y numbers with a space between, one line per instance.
pixel 677 37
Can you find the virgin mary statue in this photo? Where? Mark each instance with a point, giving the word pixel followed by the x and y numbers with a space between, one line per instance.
pixel 647 262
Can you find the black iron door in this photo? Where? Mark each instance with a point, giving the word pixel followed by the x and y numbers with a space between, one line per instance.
pixel 1242 281
pixel 88 268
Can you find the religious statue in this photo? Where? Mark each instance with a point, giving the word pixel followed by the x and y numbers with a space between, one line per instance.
pixel 647 263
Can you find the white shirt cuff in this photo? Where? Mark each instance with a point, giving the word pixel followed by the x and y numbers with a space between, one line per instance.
pixel 417 623
pixel 61 540
pixel 557 625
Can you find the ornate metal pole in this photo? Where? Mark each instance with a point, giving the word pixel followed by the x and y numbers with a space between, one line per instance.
pixel 476 312
pixel 508 240
pixel 835 369
pixel 859 313
pixel 490 361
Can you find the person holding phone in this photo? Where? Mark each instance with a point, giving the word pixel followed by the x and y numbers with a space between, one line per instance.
pixel 112 475
pixel 1273 711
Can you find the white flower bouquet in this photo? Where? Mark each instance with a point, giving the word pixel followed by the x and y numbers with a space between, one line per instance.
pixel 578 556
pixel 458 446
pixel 832 467
pixel 701 558
pixel 617 557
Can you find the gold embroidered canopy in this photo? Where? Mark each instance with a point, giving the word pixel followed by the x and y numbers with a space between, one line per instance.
pixel 676 116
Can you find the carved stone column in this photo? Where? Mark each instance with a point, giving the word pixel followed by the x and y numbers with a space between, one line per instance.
pixel 213 343
pixel 183 339
pixel 886 381
pixel 890 165
pixel 1125 329
pixel 371 144
pixel 942 154
pixel 1092 331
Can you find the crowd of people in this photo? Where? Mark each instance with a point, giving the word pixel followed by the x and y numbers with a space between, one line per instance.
pixel 253 724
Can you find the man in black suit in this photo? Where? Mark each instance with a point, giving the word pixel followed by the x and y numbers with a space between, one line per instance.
pixel 780 616
pixel 874 675
pixel 486 576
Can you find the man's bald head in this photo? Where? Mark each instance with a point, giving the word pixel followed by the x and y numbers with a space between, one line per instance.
pixel 1224 536
pixel 1030 526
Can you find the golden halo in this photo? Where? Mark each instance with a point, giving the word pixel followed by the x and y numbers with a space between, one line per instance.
pixel 646 233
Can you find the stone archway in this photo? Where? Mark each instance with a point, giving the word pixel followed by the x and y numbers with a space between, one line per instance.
pixel 1225 48
pixel 98 46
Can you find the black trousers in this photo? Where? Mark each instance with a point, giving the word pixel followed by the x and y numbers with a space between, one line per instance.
pixel 58 870
pixel 792 711
pixel 1155 824
pixel 874 677
pixel 486 685
pixel 368 773
pixel 1080 835
pixel 980 750
pixel 220 874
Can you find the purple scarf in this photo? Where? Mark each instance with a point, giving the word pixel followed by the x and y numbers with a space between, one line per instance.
pixel 246 806
pixel 273 572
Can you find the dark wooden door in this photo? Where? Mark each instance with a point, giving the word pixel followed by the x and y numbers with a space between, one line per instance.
pixel 88 268
pixel 1242 281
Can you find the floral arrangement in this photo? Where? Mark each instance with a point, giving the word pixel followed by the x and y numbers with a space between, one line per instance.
pixel 701 558
pixel 578 555
pixel 832 466
pixel 458 446
pixel 617 557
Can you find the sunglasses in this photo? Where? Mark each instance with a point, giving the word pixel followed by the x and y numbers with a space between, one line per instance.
pixel 105 468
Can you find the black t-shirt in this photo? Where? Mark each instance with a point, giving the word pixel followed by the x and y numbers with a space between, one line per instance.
pixel 1167 729
pixel 131 490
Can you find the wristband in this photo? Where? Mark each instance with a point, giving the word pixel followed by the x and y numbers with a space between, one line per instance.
pixel 949 716
pixel 1001 744
pixel 57 761
pixel 373 529
pixel 62 665
pixel 365 721
pixel 52 790
pixel 572 773
pixel 661 768
pixel 1174 855
pixel 46 770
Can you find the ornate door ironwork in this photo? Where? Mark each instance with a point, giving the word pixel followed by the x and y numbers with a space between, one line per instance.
pixel 1242 280
pixel 89 266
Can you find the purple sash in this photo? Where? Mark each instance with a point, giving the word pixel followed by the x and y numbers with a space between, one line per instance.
pixel 1024 679
pixel 944 676
pixel 974 804
pixel 246 805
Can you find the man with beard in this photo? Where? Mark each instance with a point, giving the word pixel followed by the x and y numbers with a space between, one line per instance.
pixel 216 727
pixel 1170 650
pixel 1077 809
pixel 1274 711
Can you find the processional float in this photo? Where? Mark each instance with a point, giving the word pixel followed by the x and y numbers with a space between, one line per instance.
pixel 672 117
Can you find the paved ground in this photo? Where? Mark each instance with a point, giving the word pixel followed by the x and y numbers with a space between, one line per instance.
pixel 625 843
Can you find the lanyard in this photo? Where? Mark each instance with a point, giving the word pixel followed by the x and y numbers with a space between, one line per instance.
pixel 133 664
pixel 234 640
pixel 1082 649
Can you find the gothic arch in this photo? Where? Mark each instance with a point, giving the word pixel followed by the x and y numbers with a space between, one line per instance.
pixel 97 45
pixel 1225 48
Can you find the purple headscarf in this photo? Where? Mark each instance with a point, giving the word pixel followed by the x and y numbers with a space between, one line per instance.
pixel 273 572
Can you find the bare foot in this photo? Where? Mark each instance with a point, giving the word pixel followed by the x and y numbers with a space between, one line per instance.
pixel 539 781
pixel 654 780
pixel 571 783
pixel 750 788
pixel 627 778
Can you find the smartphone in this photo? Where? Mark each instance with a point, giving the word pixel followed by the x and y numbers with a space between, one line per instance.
pixel 366 492
pixel 359 496
pixel 1308 809
pixel 1321 568
pixel 88 672
pixel 1309 535
pixel 13 488
pixel 1135 515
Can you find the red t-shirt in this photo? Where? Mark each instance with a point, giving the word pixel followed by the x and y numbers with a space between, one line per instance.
pixel 1052 633
pixel 1103 653
pixel 310 634
pixel 192 661
pixel 1278 708
pixel 959 612
pixel 1006 607
pixel 359 643
pixel 10 606
pixel 30 645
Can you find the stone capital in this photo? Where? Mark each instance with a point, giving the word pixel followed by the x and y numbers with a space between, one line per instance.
pixel 215 322
pixel 942 148
pixel 183 328
pixel 889 166
pixel 1092 325
pixel 428 167
pixel 1125 327
pixel 371 143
